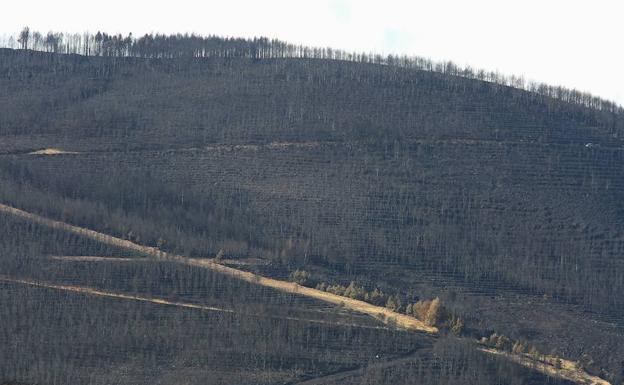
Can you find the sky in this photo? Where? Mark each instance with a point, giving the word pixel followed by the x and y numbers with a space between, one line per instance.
pixel 577 44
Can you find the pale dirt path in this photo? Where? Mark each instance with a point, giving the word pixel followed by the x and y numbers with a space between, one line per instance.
pixel 90 258
pixel 383 314
pixel 569 369
pixel 97 258
pixel 53 151
pixel 102 293
pixel 161 301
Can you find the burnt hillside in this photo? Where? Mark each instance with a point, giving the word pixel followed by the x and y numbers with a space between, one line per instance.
pixel 412 180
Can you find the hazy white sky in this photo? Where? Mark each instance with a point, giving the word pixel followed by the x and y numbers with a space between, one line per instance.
pixel 578 44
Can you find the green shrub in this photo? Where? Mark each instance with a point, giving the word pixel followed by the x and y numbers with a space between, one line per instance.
pixel 301 277
pixel 393 303
pixel 354 291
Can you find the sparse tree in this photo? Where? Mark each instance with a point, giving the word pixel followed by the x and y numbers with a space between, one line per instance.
pixel 24 37
pixel 300 277
pixel 393 303
pixel 518 348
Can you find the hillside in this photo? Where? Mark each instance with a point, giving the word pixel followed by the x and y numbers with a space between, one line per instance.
pixel 504 203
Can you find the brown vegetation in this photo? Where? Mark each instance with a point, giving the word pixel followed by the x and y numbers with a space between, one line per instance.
pixel 431 312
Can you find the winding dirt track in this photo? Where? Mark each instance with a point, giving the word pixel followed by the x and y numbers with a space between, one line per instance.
pixel 383 314
pixel 161 301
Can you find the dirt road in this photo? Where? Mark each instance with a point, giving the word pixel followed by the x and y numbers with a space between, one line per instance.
pixel 89 258
pixel 161 301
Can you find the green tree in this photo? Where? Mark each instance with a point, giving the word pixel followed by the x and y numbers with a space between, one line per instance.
pixel 393 303
pixel 300 277
pixel 456 325
pixel 377 297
